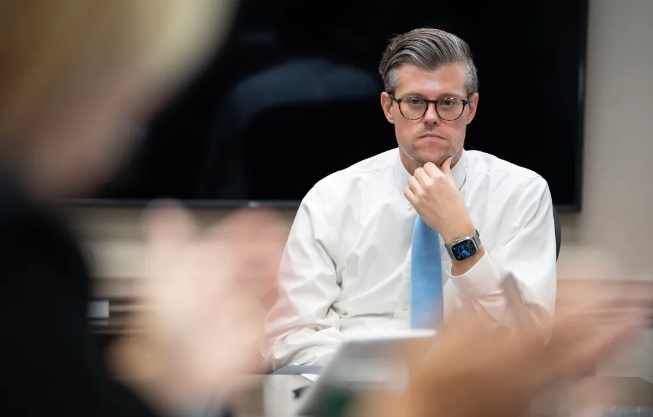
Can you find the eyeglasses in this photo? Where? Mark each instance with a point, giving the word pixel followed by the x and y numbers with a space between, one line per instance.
pixel 447 108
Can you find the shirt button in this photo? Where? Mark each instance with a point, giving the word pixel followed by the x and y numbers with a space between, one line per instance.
pixel 408 205
pixel 405 306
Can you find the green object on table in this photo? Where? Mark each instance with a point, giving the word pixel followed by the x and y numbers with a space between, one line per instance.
pixel 337 404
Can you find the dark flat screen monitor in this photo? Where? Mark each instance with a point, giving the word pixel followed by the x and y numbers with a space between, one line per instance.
pixel 294 95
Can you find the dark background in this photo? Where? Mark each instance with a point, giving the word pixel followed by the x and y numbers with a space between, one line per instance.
pixel 262 123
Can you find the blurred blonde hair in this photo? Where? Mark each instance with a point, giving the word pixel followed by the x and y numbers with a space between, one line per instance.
pixel 48 45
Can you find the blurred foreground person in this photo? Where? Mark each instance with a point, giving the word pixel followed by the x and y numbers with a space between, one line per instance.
pixel 74 75
pixel 473 372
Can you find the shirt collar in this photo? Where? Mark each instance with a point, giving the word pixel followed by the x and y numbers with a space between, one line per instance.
pixel 459 172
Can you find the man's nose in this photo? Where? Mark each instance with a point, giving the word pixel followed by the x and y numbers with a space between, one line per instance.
pixel 431 115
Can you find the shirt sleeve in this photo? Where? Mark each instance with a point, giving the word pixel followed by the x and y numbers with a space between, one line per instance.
pixel 527 251
pixel 302 327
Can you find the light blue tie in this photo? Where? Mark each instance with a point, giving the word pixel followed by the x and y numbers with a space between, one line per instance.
pixel 426 309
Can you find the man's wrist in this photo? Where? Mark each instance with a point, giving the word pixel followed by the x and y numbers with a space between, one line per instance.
pixel 464 231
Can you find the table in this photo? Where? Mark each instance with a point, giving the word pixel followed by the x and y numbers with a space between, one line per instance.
pixel 272 395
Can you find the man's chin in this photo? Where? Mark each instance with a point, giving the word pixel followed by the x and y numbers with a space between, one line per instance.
pixel 419 159
pixel 437 160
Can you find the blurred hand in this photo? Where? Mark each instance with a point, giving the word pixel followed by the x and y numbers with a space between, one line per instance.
pixel 471 372
pixel 435 196
pixel 202 290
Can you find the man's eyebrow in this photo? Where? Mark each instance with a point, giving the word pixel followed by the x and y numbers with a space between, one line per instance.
pixel 443 95
pixel 411 94
pixel 453 95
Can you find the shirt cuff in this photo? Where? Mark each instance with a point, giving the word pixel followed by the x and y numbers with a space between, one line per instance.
pixel 318 356
pixel 482 279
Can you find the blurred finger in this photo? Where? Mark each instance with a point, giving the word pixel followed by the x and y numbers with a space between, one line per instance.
pixel 463 331
pixel 256 241
pixel 168 227
pixel 168 218
pixel 576 353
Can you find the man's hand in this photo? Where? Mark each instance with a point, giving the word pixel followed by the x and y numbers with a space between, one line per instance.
pixel 436 198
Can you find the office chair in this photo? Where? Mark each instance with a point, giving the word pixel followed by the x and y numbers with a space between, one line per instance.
pixel 556 225
pixel 289 148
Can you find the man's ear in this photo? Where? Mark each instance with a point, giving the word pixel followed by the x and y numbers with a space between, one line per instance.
pixel 473 105
pixel 386 104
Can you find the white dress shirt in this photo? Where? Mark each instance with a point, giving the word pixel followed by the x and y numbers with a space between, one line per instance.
pixel 346 267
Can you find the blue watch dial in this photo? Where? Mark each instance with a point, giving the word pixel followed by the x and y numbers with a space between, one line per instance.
pixel 464 250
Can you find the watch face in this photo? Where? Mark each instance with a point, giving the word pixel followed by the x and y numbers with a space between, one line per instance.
pixel 463 250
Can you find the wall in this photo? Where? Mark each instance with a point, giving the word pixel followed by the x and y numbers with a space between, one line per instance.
pixel 618 180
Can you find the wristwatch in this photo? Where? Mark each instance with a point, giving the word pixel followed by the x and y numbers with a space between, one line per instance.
pixel 465 247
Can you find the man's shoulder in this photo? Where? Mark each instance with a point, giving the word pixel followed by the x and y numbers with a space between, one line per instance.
pixel 370 169
pixel 489 167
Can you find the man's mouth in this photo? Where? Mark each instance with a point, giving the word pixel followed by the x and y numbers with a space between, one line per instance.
pixel 431 135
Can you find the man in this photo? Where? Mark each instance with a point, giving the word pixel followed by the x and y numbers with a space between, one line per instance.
pixel 347 265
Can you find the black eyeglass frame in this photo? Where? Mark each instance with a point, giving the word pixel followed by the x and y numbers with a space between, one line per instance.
pixel 428 102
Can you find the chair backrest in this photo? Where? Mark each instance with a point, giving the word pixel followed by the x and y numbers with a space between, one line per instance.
pixel 556 224
pixel 292 147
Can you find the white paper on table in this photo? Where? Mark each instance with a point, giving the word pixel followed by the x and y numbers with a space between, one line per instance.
pixel 311 377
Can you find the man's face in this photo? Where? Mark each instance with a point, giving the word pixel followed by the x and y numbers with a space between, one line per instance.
pixel 431 138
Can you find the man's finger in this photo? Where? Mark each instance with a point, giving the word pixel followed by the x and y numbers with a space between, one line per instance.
pixel 432 170
pixel 414 185
pixel 422 176
pixel 446 169
pixel 410 196
pixel 446 166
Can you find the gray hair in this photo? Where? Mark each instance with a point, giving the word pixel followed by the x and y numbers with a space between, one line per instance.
pixel 428 49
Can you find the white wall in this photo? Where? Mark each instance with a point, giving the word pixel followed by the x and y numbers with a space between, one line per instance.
pixel 618 159
pixel 618 172
pixel 618 175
